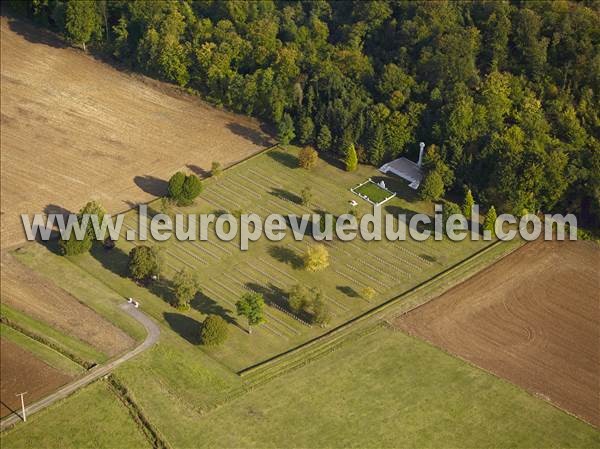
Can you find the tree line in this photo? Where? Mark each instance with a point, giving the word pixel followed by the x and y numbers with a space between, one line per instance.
pixel 506 93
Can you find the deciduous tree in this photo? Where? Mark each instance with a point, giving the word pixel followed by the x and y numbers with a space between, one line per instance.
pixel 316 258
pixel 251 306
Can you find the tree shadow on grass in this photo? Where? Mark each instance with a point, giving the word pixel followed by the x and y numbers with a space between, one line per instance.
pixel 333 160
pixel 163 288
pixel 152 185
pixel 286 255
pixel 399 186
pixel 286 159
pixel 348 291
pixel 185 326
pixel 208 306
pixel 114 260
pixel 429 258
pixel 397 210
pixel 275 295
pixel 286 195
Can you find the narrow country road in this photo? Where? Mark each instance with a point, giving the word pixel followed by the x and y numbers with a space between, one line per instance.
pixel 96 372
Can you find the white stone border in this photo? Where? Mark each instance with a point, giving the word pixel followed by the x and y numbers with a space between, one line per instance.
pixel 366 198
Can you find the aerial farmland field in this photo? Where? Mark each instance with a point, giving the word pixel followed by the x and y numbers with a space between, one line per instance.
pixel 63 142
pixel 427 325
pixel 524 321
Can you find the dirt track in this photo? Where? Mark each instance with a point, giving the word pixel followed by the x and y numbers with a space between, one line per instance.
pixel 74 128
pixel 22 371
pixel 532 318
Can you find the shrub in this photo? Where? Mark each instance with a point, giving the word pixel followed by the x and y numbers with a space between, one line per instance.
pixel 368 293
pixel 251 306
pixel 183 189
pixel 299 298
pixel 216 170
pixel 73 247
pixel 308 158
pixel 321 314
pixel 185 287
pixel 214 331
pixel 316 258
pixel 306 196
pixel 175 188
pixel 144 262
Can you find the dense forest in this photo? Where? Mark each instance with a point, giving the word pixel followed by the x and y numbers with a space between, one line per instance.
pixel 505 94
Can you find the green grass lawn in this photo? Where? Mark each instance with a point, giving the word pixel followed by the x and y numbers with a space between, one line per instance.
pixel 271 183
pixel 375 193
pixel 385 389
pixel 93 417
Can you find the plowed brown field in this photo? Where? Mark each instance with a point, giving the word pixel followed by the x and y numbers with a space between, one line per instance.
pixel 532 318
pixel 22 372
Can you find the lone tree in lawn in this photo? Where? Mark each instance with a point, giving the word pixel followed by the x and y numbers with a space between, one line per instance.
pixel 299 298
pixel 185 287
pixel 82 21
pixel 216 170
pixel 316 258
pixel 285 129
pixel 144 262
pixel 251 306
pixel 489 224
pixel 368 293
pixel 468 205
pixel 184 189
pixel 321 314
pixel 308 157
pixel 351 158
pixel 306 196
pixel 214 331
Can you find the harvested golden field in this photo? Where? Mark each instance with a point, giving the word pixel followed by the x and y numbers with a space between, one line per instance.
pixel 74 128
pixel 532 318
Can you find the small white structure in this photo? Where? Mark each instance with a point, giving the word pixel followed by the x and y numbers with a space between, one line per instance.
pixel 353 203
pixel 382 184
pixel 136 304
pixel 407 169
pixel 154 277
pixel 129 300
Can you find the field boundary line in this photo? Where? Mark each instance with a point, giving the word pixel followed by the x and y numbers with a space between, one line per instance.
pixel 152 434
pixel 86 364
